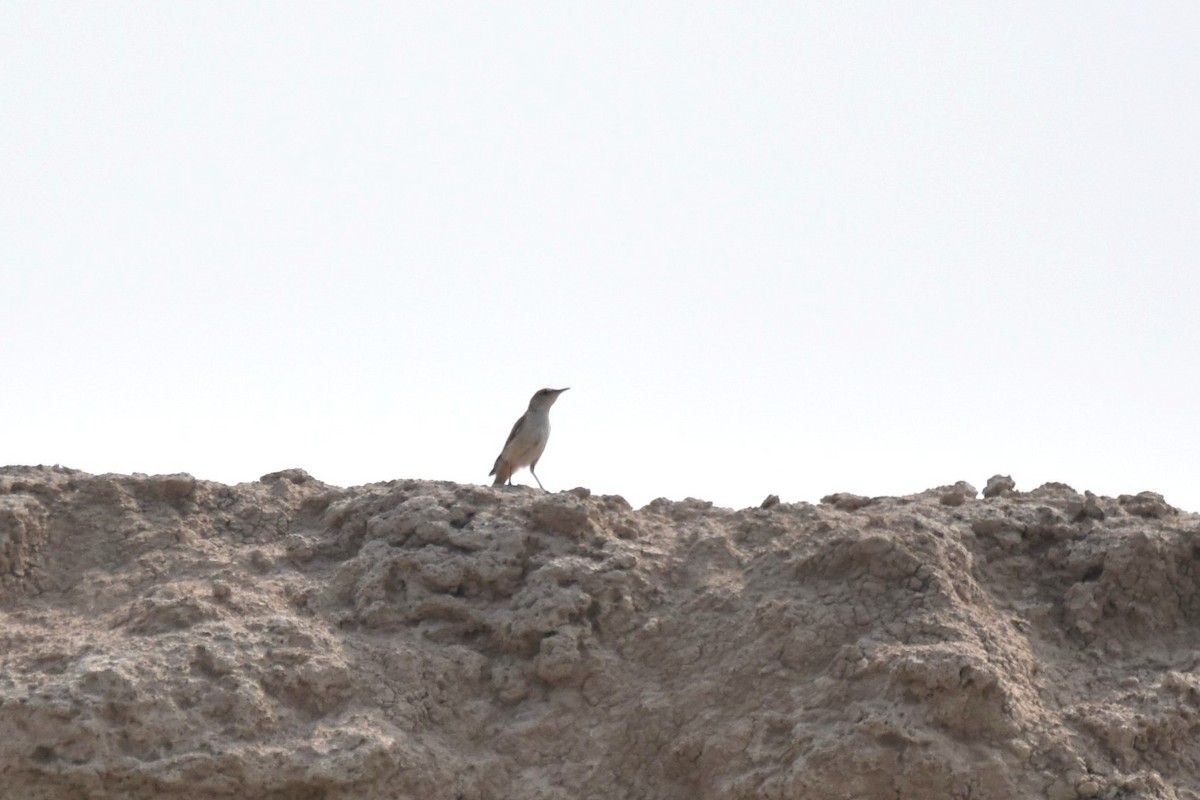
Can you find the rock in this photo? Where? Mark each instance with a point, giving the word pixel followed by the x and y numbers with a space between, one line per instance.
pixel 562 513
pixel 1146 504
pixel 846 502
pixel 165 637
pixel 1087 508
pixel 957 494
pixel 294 475
pixel 23 537
pixel 999 486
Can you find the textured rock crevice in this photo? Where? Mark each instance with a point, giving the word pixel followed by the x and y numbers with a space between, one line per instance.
pixel 168 637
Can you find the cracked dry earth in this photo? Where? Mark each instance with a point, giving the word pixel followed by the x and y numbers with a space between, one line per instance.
pixel 163 637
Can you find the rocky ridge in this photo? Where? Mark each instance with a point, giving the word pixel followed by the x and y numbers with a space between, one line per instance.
pixel 166 637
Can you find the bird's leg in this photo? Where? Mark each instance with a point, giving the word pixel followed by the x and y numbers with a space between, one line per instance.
pixel 535 477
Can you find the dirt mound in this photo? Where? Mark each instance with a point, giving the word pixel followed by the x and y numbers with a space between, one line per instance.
pixel 165 637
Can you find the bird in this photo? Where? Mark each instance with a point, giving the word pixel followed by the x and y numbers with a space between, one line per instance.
pixel 528 439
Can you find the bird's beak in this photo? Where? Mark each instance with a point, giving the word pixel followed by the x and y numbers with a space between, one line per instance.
pixel 560 391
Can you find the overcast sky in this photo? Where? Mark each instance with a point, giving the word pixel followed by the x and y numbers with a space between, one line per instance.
pixel 790 248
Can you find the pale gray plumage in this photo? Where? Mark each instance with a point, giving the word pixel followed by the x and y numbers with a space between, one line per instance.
pixel 528 439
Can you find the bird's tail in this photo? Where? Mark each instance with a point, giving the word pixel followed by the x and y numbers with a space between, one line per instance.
pixel 502 471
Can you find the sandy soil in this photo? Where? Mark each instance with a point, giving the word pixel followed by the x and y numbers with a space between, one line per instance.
pixel 163 637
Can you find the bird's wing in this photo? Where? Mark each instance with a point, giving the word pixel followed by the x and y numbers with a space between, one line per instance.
pixel 516 427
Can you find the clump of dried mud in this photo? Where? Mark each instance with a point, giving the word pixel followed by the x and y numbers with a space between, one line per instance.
pixel 164 637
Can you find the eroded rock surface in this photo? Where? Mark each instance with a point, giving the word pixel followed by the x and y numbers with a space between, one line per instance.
pixel 163 637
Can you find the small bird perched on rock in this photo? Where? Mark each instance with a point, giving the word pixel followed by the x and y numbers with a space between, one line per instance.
pixel 527 440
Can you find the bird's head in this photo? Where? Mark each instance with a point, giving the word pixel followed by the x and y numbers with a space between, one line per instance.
pixel 545 398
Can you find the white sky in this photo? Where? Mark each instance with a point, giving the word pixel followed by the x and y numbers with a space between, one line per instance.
pixel 790 248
